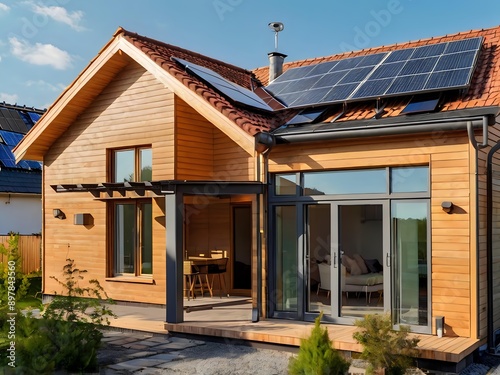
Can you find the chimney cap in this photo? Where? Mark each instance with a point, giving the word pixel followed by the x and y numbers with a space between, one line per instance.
pixel 276 26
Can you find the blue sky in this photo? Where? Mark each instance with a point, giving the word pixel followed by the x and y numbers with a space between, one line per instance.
pixel 45 44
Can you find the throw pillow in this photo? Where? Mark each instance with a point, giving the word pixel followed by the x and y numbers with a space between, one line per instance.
pixel 361 263
pixel 373 265
pixel 352 265
pixel 346 261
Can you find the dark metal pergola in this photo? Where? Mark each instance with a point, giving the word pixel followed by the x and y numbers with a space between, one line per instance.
pixel 174 192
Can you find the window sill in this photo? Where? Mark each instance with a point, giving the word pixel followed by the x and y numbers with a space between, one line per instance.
pixel 131 279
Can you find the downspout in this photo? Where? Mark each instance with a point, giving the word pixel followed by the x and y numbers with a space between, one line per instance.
pixel 477 146
pixel 264 142
pixel 489 245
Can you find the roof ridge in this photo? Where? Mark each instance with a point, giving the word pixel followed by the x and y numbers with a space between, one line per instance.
pixel 132 34
pixel 437 39
pixel 22 108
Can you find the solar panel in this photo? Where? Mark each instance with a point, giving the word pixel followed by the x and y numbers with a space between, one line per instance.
pixel 419 106
pixel 306 116
pixel 11 139
pixel 34 116
pixel 441 66
pixel 227 88
pixel 6 157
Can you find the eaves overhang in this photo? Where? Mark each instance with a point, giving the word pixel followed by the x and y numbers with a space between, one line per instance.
pixel 429 122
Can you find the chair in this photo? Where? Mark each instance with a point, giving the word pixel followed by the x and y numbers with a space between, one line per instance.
pixel 324 278
pixel 218 267
pixel 190 278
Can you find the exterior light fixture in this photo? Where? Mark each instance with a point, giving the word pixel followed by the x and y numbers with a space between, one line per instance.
pixel 58 214
pixel 447 207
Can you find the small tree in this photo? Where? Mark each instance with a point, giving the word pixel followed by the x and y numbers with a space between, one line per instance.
pixel 13 265
pixel 317 356
pixel 383 347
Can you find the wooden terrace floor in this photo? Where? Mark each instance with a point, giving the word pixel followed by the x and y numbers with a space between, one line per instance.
pixel 232 319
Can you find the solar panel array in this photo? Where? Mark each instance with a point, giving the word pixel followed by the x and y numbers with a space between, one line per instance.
pixel 7 142
pixel 436 67
pixel 227 88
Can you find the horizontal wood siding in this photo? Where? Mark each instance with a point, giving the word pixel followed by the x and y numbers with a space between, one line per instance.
pixel 134 109
pixel 448 158
pixel 194 147
pixel 203 152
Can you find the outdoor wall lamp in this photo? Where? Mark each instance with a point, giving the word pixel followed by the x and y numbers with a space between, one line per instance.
pixel 59 214
pixel 447 207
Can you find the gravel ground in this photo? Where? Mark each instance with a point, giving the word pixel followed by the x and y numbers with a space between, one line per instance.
pixel 222 359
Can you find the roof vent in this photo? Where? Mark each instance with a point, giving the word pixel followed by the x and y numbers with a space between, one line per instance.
pixel 276 59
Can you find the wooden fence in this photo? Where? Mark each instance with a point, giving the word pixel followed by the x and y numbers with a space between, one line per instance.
pixel 30 248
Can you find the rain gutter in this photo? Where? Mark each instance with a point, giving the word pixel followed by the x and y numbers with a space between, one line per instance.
pixel 454 120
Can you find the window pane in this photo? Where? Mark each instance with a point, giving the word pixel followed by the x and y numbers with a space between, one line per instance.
pixel 146 164
pixel 409 227
pixel 286 184
pixel 146 239
pixel 286 258
pixel 367 181
pixel 124 238
pixel 410 179
pixel 124 166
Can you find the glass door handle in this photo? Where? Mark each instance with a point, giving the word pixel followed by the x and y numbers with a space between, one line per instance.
pixel 387 260
pixel 334 260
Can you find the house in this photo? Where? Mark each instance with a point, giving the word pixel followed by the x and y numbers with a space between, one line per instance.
pixel 21 183
pixel 378 166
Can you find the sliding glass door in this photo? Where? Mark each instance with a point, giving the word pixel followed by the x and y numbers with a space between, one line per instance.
pixel 347 244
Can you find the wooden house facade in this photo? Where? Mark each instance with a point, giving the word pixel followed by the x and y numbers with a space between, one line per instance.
pixel 155 154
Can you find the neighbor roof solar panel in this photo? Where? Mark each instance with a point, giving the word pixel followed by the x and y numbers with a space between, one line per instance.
pixel 7 157
pixel 227 88
pixel 441 66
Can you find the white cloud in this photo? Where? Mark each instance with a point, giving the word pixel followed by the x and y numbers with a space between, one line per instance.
pixel 60 14
pixel 8 98
pixel 4 7
pixel 40 54
pixel 46 85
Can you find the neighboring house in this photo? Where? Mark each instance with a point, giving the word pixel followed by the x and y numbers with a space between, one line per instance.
pixel 21 183
pixel 379 167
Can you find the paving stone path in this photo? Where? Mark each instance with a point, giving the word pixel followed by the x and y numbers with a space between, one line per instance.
pixel 143 353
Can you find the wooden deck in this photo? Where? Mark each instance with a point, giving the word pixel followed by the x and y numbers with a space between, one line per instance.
pixel 235 322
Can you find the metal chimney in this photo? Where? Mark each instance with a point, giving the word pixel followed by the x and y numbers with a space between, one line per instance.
pixel 276 59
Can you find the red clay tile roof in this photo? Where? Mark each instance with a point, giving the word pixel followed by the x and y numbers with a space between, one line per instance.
pixel 484 89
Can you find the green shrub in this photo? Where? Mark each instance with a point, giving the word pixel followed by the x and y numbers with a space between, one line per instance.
pixel 383 347
pixel 68 334
pixel 317 356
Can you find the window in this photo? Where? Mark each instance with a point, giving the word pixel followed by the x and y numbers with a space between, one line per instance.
pixel 404 181
pixel 286 184
pixel 362 181
pixel 133 164
pixel 132 240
